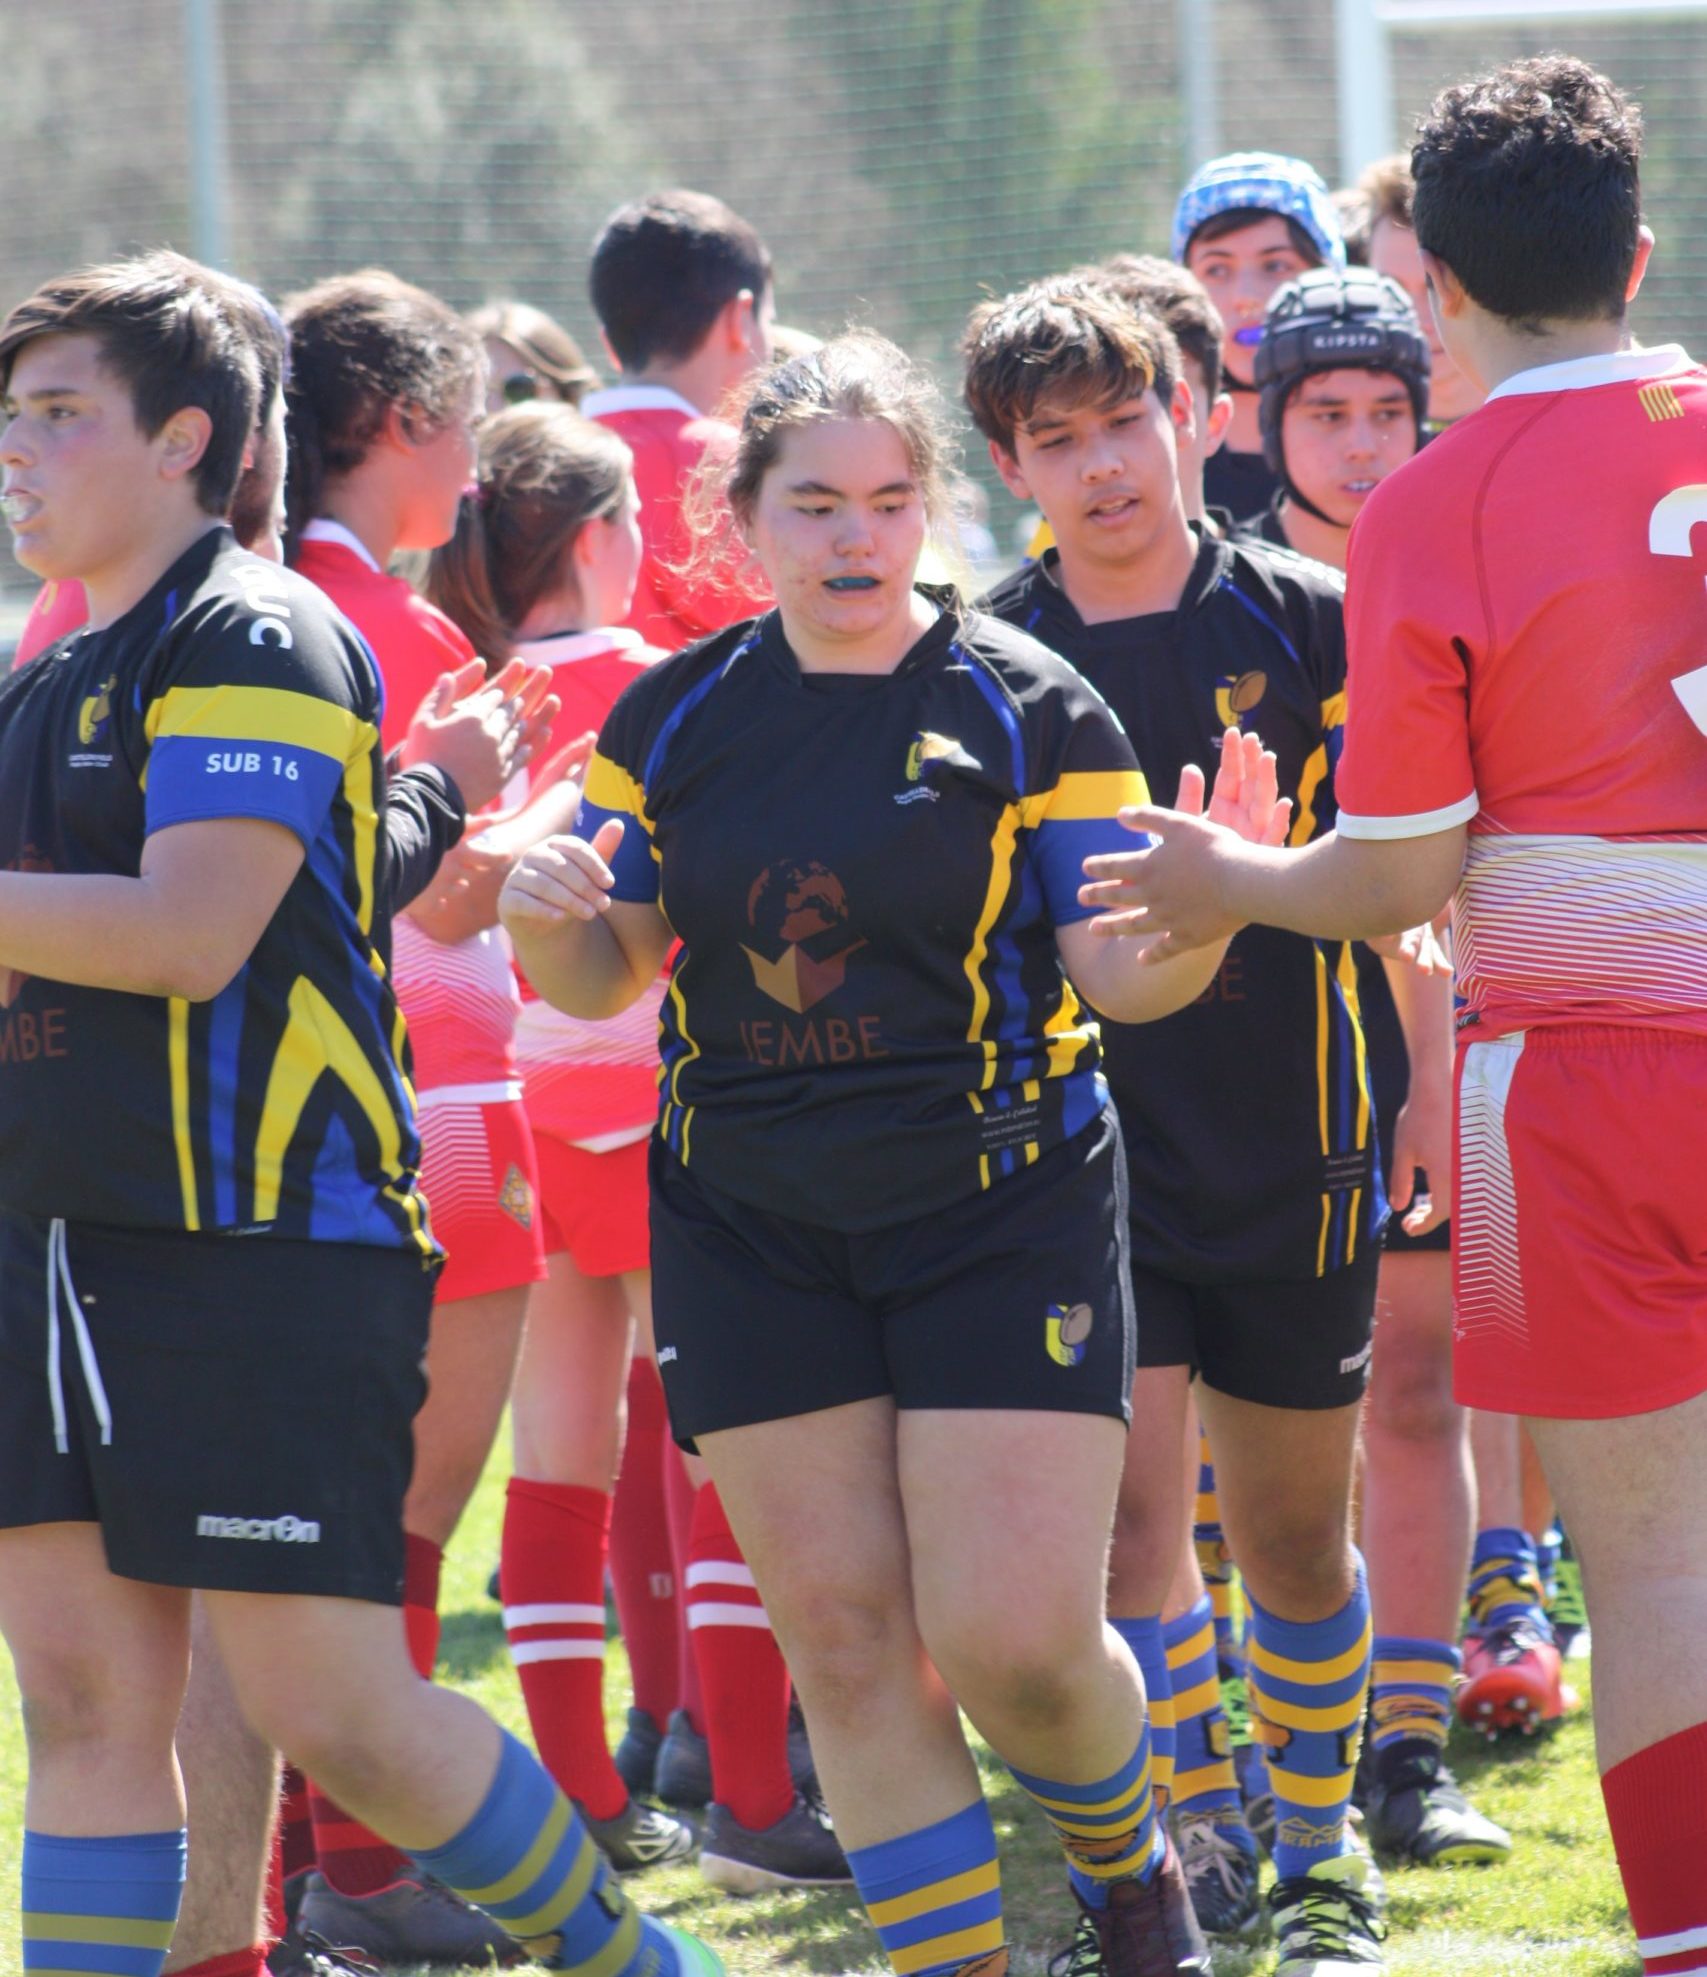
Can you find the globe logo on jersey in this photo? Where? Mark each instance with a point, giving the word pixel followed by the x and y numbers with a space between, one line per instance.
pixel 1065 1332
pixel 799 906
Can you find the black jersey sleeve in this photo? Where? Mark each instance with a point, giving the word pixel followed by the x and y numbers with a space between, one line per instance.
pixel 258 702
pixel 424 817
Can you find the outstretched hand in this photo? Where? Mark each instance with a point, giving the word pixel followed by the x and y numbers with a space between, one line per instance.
pixel 480 731
pixel 1172 892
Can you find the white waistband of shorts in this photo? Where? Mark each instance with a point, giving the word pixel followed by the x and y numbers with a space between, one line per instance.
pixel 505 1092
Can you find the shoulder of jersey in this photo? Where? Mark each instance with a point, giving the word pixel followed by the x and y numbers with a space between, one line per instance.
pixel 1019 657
pixel 261 589
pixel 1014 590
pixel 658 678
pixel 1282 567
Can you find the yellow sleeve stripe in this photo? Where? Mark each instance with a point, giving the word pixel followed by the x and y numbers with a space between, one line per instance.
pixel 1312 1674
pixel 1084 795
pixel 259 713
pixel 1299 1788
pixel 980 1880
pixel 1333 710
pixel 611 787
pixel 984 1939
pixel 121 1931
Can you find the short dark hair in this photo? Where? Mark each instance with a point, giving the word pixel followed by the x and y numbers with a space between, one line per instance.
pixel 168 330
pixel 1528 187
pixel 662 269
pixel 1070 336
pixel 1219 225
pixel 1147 281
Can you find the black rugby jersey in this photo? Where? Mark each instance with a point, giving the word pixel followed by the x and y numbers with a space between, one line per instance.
pixel 867 1019
pixel 1242 483
pixel 282 1106
pixel 1247 1115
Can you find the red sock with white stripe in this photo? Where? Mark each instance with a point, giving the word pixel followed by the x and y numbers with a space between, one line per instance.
pixel 355 1860
pixel 251 1962
pixel 1658 1814
pixel 741 1671
pixel 552 1571
pixel 642 1564
pixel 679 1498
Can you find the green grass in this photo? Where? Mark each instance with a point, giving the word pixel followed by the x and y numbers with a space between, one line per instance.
pixel 1555 1907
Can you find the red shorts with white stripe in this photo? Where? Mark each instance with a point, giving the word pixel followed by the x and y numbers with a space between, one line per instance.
pixel 1579 1222
pixel 594 1205
pixel 477 1170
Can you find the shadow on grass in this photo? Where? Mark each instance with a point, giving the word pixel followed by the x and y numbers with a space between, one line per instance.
pixel 471 1644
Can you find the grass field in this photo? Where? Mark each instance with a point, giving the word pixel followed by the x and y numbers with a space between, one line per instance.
pixel 1554 1909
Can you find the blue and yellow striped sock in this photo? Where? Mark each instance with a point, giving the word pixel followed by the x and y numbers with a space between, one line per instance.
pixel 1504 1583
pixel 1214 1560
pixel 935 1896
pixel 106 1905
pixel 1109 1829
pixel 1410 1690
pixel 526 1858
pixel 1144 1638
pixel 1204 1780
pixel 1308 1684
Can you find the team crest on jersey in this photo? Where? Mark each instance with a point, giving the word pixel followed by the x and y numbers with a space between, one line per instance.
pixel 924 749
pixel 800 907
pixel 94 718
pixel 515 1197
pixel 1065 1332
pixel 1659 401
pixel 1237 696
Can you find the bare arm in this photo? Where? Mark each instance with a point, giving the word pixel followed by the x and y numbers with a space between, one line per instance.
pixel 184 927
pixel 1116 981
pixel 586 953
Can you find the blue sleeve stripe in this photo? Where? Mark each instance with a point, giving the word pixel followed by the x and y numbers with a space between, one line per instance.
pixel 196 780
pixel 632 863
pixel 1061 848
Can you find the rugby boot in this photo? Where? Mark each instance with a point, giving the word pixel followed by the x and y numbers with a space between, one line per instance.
pixel 800 1851
pixel 1511 1680
pixel 636 1757
pixel 300 1954
pixel 640 1836
pixel 1221 1873
pixel 1417 1813
pixel 1325 1922
pixel 415 1920
pixel 683 1773
pixel 1147 1930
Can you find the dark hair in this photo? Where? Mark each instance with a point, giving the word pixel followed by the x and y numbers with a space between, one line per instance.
pixel 548 347
pixel 1219 225
pixel 1147 281
pixel 1528 187
pixel 1078 339
pixel 856 375
pixel 360 344
pixel 664 267
pixel 169 330
pixel 545 472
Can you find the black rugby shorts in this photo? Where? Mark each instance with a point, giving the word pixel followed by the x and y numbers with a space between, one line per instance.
pixel 1016 1298
pixel 235 1412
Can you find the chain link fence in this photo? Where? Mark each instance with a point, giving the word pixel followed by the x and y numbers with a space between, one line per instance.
pixel 900 156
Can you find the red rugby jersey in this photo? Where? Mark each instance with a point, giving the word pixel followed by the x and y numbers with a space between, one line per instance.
pixel 1526 615
pixel 58 610
pixel 668 438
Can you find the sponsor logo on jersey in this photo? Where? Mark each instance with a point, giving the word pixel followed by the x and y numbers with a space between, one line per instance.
pixel 1065 1332
pixel 1236 696
pixel 801 907
pixel 285 1530
pixel 515 1197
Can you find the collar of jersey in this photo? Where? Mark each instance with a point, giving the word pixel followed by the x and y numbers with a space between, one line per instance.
pixel 1213 556
pixel 323 529
pixel 635 398
pixel 936 638
pixel 563 648
pixel 1585 373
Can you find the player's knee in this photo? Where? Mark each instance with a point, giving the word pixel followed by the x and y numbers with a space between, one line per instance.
pixel 70 1698
pixel 842 1641
pixel 1028 1664
pixel 1410 1399
pixel 1300 1566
